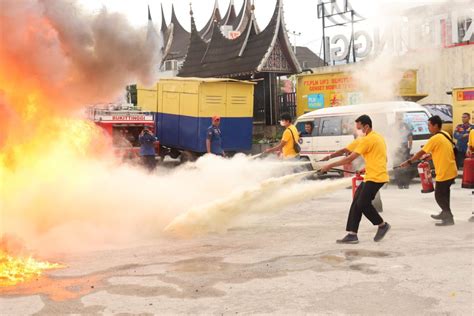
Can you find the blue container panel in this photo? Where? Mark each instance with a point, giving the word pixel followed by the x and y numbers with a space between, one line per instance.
pixel 169 130
pixel 190 133
pixel 237 133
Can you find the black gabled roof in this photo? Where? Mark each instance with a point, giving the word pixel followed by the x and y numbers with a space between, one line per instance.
pixel 230 16
pixel 196 49
pixel 307 58
pixel 164 26
pixel 206 31
pixel 176 39
pixel 243 18
pixel 243 56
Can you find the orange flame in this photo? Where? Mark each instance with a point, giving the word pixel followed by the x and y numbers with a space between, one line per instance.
pixel 14 270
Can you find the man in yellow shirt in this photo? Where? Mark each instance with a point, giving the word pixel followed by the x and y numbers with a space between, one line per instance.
pixel 440 146
pixel 373 149
pixel 288 140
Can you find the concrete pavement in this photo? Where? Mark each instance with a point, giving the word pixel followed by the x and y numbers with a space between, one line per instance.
pixel 283 262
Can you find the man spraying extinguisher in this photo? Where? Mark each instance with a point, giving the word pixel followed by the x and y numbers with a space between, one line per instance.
pixel 440 146
pixel 373 149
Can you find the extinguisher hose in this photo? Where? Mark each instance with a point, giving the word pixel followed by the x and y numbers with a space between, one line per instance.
pixel 413 163
pixel 342 170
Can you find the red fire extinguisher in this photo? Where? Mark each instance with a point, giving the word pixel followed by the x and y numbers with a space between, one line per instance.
pixel 468 173
pixel 357 179
pixel 424 171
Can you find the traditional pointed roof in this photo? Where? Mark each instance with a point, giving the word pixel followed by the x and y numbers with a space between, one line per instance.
pixel 177 39
pixel 164 26
pixel 197 47
pixel 243 18
pixel 249 54
pixel 230 17
pixel 206 31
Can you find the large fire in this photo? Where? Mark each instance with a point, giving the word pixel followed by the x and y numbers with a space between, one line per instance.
pixel 40 139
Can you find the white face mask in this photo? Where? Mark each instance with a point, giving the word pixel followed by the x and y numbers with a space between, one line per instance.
pixel 360 133
pixel 282 123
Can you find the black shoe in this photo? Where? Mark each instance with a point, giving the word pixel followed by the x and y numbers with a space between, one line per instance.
pixel 381 231
pixel 442 216
pixel 471 219
pixel 446 222
pixel 348 239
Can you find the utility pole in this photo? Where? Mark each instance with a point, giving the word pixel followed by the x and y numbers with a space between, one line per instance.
pixel 295 34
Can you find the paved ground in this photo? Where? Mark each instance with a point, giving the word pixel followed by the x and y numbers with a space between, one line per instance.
pixel 286 262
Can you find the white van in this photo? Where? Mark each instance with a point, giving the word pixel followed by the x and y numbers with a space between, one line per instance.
pixel 334 127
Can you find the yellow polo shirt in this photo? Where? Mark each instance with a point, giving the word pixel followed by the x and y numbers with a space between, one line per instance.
pixel 288 151
pixel 441 151
pixel 470 143
pixel 352 146
pixel 373 149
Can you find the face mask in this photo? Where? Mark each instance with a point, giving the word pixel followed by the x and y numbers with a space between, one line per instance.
pixel 282 123
pixel 360 133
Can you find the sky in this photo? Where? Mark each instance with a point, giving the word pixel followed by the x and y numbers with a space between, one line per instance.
pixel 300 15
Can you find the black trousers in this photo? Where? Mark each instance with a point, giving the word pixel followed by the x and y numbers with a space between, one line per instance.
pixel 362 204
pixel 149 162
pixel 443 194
pixel 460 156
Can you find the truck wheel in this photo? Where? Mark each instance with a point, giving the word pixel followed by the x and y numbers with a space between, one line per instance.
pixel 174 153
pixel 187 156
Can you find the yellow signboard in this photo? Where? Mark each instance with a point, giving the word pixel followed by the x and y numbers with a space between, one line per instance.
pixel 463 102
pixel 316 91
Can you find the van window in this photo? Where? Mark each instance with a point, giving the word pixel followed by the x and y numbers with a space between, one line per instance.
pixel 348 125
pixel 300 127
pixel 330 126
pixel 418 121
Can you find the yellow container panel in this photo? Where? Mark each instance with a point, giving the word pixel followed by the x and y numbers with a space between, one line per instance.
pixel 239 100
pixel 191 87
pixel 147 100
pixel 463 102
pixel 170 103
pixel 172 86
pixel 212 99
pixel 189 104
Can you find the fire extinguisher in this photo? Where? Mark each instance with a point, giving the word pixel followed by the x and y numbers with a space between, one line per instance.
pixel 357 179
pixel 468 173
pixel 424 171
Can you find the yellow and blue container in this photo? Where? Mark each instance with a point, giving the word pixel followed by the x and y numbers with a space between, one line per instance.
pixel 184 107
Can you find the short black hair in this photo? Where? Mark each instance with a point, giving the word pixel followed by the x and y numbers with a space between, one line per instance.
pixel 436 120
pixel 309 123
pixel 364 120
pixel 468 115
pixel 285 117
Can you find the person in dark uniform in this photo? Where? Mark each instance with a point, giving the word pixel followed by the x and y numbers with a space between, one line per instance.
pixel 461 133
pixel 147 148
pixel 373 149
pixel 214 138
